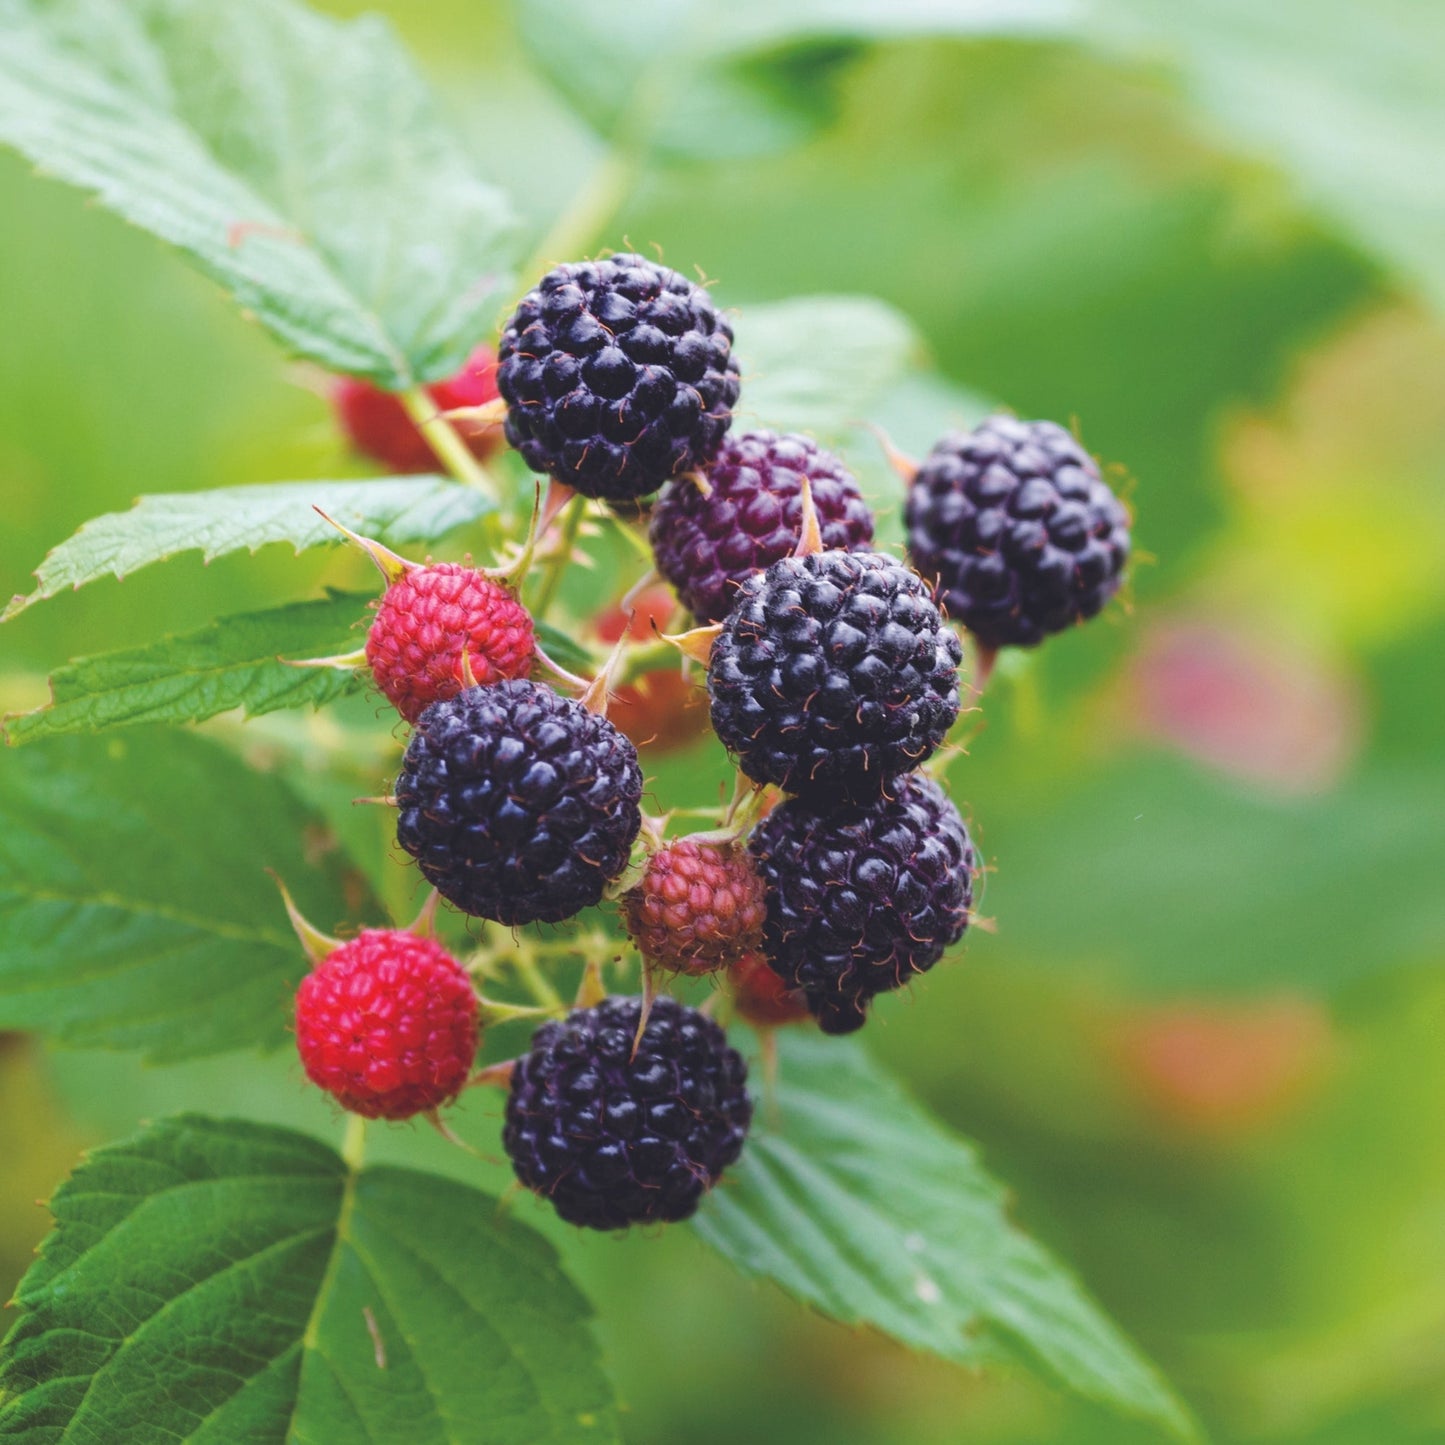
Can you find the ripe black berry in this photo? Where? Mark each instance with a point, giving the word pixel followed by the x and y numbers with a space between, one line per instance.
pixel 617 374
pixel 614 1139
pixel 519 804
pixel 749 513
pixel 833 674
pixel 862 898
pixel 1019 530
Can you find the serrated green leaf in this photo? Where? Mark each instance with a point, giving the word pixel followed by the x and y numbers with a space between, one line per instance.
pixel 690 78
pixel 224 1281
pixel 135 911
pixel 855 1201
pixel 817 364
pixel 298 160
pixel 235 662
pixel 234 519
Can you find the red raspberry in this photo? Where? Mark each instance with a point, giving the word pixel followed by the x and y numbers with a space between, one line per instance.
pixel 424 621
pixel 660 710
pixel 387 1024
pixel 699 907
pixel 377 425
pixel 761 997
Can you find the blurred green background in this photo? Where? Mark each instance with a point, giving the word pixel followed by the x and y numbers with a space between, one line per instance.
pixel 1204 1045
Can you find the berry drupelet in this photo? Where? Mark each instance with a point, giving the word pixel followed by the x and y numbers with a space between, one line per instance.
pixel 833 674
pixel 862 898
pixel 617 375
pixel 428 618
pixel 387 1024
pixel 613 1138
pixel 748 514
pixel 1018 529
pixel 518 804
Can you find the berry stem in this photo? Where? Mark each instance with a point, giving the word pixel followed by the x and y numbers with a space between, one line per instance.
pixel 353 1146
pixel 494 1011
pixel 649 657
pixel 557 562
pixel 446 442
pixel 536 982
pixel 629 533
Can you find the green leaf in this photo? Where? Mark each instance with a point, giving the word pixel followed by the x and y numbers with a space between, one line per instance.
pixel 135 911
pixel 697 79
pixel 233 663
pixel 233 519
pixel 300 161
pixel 565 650
pixel 818 363
pixel 1315 891
pixel 1353 112
pixel 222 1281
pixel 856 1202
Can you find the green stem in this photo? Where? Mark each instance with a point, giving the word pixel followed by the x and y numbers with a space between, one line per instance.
pixel 648 657
pixel 446 443
pixel 537 984
pixel 353 1146
pixel 557 563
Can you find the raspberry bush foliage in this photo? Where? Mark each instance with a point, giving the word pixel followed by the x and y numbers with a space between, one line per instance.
pixel 619 979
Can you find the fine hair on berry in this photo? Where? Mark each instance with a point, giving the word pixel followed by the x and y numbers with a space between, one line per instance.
pixel 387 1024
pixel 747 513
pixel 428 618
pixel 518 804
pixel 1019 530
pixel 697 908
pixel 617 375
pixel 613 1138
pixel 833 674
pixel 863 898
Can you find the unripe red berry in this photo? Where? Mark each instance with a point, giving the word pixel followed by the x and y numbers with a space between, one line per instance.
pixel 760 995
pixel 387 1024
pixel 661 710
pixel 377 424
pixel 698 907
pixel 428 617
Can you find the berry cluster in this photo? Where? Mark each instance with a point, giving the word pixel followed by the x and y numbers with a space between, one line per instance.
pixel 831 676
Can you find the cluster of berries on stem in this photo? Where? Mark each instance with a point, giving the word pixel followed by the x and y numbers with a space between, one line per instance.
pixel 828 667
